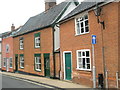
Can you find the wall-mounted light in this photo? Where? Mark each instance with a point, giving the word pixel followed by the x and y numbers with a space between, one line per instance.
pixel 97 11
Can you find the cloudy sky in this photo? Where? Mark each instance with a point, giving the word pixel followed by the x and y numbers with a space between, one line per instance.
pixel 18 12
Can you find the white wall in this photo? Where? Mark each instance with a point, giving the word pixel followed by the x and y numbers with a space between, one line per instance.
pixel 70 8
pixel 56 38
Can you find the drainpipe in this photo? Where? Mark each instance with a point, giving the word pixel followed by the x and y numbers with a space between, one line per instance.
pixel 54 52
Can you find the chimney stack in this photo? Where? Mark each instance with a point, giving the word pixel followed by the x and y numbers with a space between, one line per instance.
pixel 12 27
pixel 49 4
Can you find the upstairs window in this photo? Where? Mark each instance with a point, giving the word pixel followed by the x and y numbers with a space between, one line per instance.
pixel 37 40
pixel 82 26
pixel 38 62
pixel 7 48
pixel 21 61
pixel 21 43
pixel 83 59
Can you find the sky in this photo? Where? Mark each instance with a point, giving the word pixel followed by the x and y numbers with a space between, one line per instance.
pixel 17 12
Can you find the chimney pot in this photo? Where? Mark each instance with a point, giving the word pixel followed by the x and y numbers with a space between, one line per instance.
pixel 12 27
pixel 49 4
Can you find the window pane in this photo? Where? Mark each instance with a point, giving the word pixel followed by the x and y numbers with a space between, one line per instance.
pixel 87 54
pixel 88 66
pixel 86 29
pixel 84 63
pixel 80 60
pixel 83 53
pixel 79 54
pixel 86 23
pixel 81 24
pixel 86 16
pixel 87 60
pixel 78 28
pixel 82 30
pixel 81 19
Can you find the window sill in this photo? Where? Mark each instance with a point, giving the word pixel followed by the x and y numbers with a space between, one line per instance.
pixel 21 49
pixel 81 34
pixel 38 70
pixel 89 70
pixel 21 67
pixel 37 47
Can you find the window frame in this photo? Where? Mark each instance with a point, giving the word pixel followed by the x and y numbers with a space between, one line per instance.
pixel 10 62
pixel 21 44
pixel 7 45
pixel 35 62
pixel 36 37
pixel 22 61
pixel 84 26
pixel 83 50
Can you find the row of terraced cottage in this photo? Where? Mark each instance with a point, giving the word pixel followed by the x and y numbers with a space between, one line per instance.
pixel 57 43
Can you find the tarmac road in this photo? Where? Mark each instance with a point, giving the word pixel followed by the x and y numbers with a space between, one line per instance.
pixel 10 82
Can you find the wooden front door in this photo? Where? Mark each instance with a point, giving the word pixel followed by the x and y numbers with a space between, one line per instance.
pixel 68 66
pixel 16 62
pixel 47 64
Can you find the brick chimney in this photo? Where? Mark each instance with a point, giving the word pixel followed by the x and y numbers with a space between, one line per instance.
pixel 49 4
pixel 12 27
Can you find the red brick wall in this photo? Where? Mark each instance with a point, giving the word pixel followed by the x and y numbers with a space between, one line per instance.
pixel 107 38
pixel 29 50
pixel 5 41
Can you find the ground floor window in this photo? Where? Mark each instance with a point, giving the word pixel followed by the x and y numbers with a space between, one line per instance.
pixel 4 62
pixel 21 61
pixel 10 62
pixel 83 59
pixel 37 62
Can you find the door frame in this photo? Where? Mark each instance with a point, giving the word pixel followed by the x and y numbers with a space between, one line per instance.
pixel 64 52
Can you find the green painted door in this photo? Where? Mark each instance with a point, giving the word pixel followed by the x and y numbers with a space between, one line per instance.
pixel 68 66
pixel 47 64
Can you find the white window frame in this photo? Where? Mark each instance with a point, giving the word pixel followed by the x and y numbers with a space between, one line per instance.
pixel 83 50
pixel 21 61
pixel 4 62
pixel 21 44
pixel 11 62
pixel 84 26
pixel 37 63
pixel 36 42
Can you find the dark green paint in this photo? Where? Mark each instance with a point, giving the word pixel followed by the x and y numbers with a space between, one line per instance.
pixel 47 64
pixel 68 66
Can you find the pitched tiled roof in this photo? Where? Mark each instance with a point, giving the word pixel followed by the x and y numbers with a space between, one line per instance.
pixel 85 5
pixel 43 19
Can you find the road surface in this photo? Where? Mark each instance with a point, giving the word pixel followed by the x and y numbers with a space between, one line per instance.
pixel 11 82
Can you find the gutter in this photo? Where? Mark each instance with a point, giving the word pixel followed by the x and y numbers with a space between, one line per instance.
pixel 33 31
pixel 89 9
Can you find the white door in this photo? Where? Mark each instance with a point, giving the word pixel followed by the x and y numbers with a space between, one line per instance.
pixel 7 64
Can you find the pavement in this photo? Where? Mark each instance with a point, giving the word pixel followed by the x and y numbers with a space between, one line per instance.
pixel 45 81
